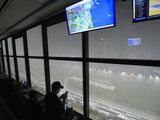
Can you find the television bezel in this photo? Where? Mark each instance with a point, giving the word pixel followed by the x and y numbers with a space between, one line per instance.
pixel 114 23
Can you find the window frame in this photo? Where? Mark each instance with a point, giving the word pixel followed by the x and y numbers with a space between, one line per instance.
pixel 85 59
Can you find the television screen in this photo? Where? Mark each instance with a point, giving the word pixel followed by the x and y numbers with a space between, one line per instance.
pixel 90 15
pixel 134 41
pixel 145 10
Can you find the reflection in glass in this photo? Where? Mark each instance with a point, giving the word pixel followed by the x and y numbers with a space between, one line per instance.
pixel 70 75
pixel 6 65
pixel 123 91
pixel 19 46
pixel 22 70
pixel 37 74
pixel 4 47
pixel 113 42
pixel 34 37
pixel 10 48
pixel 60 43
pixel 12 67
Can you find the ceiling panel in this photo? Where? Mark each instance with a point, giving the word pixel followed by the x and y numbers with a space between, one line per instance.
pixel 19 9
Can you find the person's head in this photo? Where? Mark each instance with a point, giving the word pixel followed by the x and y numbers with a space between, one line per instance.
pixel 56 86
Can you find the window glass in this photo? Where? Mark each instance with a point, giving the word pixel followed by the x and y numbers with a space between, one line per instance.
pixel 6 65
pixel 122 91
pixel 12 67
pixel 70 76
pixel 34 37
pixel 22 70
pixel 1 64
pixel 10 48
pixel 126 40
pixel 4 47
pixel 62 44
pixel 37 75
pixel 19 46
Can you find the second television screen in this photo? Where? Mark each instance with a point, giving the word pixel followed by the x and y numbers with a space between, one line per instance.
pixel 90 15
pixel 145 10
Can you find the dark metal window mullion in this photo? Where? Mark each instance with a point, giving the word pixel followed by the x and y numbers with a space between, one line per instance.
pixel 28 75
pixel 7 57
pixel 3 65
pixel 46 60
pixel 85 55
pixel 15 59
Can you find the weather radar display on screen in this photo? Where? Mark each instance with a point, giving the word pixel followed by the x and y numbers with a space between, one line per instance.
pixel 145 10
pixel 90 15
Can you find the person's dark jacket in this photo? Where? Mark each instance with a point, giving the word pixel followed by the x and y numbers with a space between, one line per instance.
pixel 54 106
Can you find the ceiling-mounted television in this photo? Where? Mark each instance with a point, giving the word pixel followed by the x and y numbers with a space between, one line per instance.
pixel 90 15
pixel 145 10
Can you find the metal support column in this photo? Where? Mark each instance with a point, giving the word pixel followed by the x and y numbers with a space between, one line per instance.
pixel 85 73
pixel 7 57
pixel 46 60
pixel 15 60
pixel 26 59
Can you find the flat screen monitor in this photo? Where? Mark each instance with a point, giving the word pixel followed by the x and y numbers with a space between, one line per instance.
pixel 90 15
pixel 146 10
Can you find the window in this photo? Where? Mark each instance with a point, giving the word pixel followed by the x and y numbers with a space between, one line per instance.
pixel 12 67
pixel 61 44
pixel 6 65
pixel 1 64
pixel 10 48
pixel 4 47
pixel 37 74
pixel 34 37
pixel 131 89
pixel 113 42
pixel 19 46
pixel 70 76
pixel 22 70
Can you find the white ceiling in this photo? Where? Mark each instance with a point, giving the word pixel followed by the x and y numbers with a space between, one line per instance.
pixel 13 14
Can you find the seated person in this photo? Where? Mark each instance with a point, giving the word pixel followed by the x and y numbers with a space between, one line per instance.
pixel 55 106
pixel 32 107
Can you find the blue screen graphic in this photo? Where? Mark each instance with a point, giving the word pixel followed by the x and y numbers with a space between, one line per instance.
pixel 89 15
pixel 134 41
